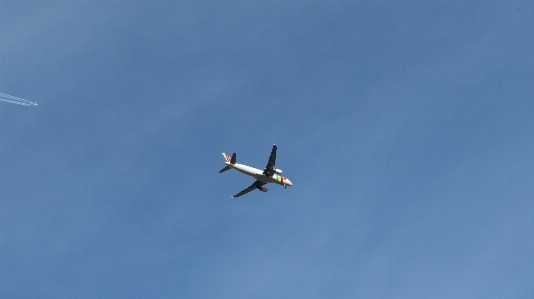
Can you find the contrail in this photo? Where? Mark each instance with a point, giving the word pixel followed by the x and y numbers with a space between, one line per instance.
pixel 11 99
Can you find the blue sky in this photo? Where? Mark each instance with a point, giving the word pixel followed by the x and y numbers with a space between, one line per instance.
pixel 406 128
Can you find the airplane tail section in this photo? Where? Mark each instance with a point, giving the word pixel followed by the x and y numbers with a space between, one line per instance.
pixel 228 159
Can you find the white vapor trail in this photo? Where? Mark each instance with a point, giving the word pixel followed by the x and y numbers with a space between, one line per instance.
pixel 11 99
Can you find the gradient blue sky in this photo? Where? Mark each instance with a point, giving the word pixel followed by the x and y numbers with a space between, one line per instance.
pixel 406 127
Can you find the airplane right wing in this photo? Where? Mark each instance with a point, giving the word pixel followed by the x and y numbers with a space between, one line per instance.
pixel 255 185
pixel 269 169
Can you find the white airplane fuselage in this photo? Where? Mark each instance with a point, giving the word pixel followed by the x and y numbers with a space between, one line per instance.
pixel 258 174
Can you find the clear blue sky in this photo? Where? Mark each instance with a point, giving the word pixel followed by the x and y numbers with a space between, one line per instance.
pixel 407 129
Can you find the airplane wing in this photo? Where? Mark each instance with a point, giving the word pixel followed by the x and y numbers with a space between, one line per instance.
pixel 269 169
pixel 255 185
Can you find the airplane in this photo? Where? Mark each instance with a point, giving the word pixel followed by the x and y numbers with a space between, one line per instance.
pixel 269 175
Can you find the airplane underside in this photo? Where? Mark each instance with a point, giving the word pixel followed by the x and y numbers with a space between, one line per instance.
pixel 269 175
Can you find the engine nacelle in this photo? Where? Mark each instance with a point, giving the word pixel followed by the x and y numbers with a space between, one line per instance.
pixel 264 189
pixel 279 171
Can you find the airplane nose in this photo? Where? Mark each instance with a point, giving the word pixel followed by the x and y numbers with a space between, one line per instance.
pixel 288 182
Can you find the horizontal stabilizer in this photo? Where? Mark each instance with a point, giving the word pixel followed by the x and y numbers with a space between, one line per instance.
pixel 224 169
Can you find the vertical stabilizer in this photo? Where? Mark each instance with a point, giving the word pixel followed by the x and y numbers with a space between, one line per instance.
pixel 228 158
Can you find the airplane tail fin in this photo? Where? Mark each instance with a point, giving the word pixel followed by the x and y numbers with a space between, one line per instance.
pixel 228 159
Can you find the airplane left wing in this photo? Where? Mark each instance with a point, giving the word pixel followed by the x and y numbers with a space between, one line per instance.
pixel 255 185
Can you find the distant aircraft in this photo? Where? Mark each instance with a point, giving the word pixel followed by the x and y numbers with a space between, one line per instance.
pixel 269 175
pixel 11 99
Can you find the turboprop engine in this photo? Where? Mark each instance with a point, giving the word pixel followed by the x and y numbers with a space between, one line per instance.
pixel 263 189
pixel 279 171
